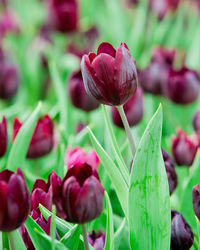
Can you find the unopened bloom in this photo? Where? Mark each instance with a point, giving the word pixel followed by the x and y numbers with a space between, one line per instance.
pixel 78 95
pixel 110 76
pixel 196 122
pixel 170 170
pixel 15 200
pixel 78 156
pixel 196 200
pixel 181 233
pixel 97 240
pixel 184 148
pixel 82 194
pixel 133 110
pixel 42 140
pixel 3 136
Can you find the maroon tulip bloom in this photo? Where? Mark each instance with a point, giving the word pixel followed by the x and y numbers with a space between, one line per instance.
pixel 155 76
pixel 15 200
pixel 196 123
pixel 110 76
pixel 171 172
pixel 97 240
pixel 82 194
pixel 183 86
pixel 181 233
pixel 196 200
pixel 42 140
pixel 184 148
pixel 63 15
pixel 3 137
pixel 78 95
pixel 133 110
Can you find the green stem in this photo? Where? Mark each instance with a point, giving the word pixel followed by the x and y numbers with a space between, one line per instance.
pixel 85 237
pixel 127 129
pixel 12 246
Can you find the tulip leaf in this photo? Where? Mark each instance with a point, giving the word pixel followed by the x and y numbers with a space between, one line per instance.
pixel 53 227
pixel 149 201
pixel 16 239
pixel 20 147
pixel 119 233
pixel 72 238
pixel 109 244
pixel 113 173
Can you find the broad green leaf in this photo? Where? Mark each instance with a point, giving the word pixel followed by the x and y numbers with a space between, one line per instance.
pixel 109 244
pixel 113 173
pixel 53 227
pixel 72 237
pixel 16 239
pixel 149 202
pixel 5 242
pixel 19 149
pixel 119 233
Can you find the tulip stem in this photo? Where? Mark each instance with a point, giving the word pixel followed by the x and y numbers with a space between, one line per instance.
pixel 10 237
pixel 85 237
pixel 127 129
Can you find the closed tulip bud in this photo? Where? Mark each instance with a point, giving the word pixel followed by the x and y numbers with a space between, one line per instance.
pixel 196 123
pixel 82 194
pixel 97 240
pixel 78 95
pixel 15 200
pixel 182 86
pixel 196 200
pixel 110 76
pixel 171 172
pixel 78 156
pixel 181 233
pixel 133 110
pixel 184 148
pixel 79 127
pixel 42 141
pixel 3 137
pixel 63 15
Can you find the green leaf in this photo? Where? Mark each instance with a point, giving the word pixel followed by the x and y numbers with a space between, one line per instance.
pixel 113 173
pixel 109 244
pixel 53 227
pixel 19 149
pixel 149 201
pixel 119 233
pixel 16 239
pixel 72 237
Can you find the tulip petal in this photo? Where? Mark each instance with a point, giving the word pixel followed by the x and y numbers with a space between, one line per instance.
pixel 3 203
pixel 196 200
pixel 106 48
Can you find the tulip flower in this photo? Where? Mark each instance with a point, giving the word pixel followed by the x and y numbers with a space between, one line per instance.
pixel 133 110
pixel 181 233
pixel 97 240
pixel 196 123
pixel 42 140
pixel 171 172
pixel 196 200
pixel 79 127
pixel 82 194
pixel 78 95
pixel 110 76
pixel 63 15
pixel 15 200
pixel 78 156
pixel 3 137
pixel 184 148
pixel 183 86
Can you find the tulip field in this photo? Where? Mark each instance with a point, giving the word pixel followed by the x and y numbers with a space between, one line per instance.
pixel 99 124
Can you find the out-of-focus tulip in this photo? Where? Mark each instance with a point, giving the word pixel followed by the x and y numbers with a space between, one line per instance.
pixel 110 76
pixel 78 95
pixel 196 123
pixel 196 200
pixel 82 194
pixel 97 240
pixel 8 23
pixel 78 156
pixel 133 110
pixel 80 127
pixel 183 86
pixel 42 140
pixel 184 148
pixel 15 200
pixel 181 233
pixel 63 15
pixel 3 136
pixel 155 76
pixel 171 172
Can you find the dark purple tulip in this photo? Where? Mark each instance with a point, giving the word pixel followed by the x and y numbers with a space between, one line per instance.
pixel 110 76
pixel 78 96
pixel 196 200
pixel 97 240
pixel 80 127
pixel 82 194
pixel 155 76
pixel 181 233
pixel 133 110
pixel 184 148
pixel 15 200
pixel 3 136
pixel 183 86
pixel 42 141
pixel 196 123
pixel 63 15
pixel 171 172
